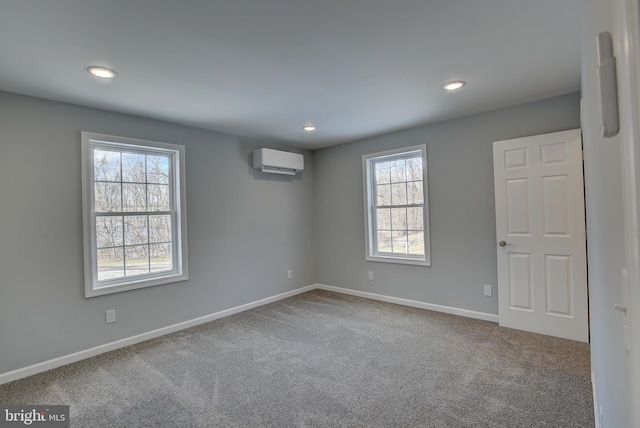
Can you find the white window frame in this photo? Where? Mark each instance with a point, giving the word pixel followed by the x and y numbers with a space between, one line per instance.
pixel 177 210
pixel 369 184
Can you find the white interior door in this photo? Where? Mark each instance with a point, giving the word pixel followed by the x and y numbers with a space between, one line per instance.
pixel 540 226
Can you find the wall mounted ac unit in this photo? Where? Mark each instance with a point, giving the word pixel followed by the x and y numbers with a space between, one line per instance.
pixel 277 161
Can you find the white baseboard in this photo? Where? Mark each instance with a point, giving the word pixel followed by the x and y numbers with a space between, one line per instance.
pixel 111 346
pixel 101 349
pixel 413 303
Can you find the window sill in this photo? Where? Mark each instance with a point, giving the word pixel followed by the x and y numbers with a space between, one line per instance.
pixel 399 260
pixel 134 285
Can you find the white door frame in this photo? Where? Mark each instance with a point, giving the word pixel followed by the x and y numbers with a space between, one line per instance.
pixel 627 47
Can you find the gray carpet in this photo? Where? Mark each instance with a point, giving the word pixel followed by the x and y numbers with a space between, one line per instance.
pixel 323 359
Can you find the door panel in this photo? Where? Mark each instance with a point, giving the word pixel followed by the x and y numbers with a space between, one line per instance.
pixel 542 273
pixel 518 206
pixel 555 206
pixel 520 293
pixel 558 284
pixel 553 154
pixel 516 158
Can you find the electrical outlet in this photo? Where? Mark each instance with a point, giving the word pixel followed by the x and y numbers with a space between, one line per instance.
pixel 290 274
pixel 110 316
pixel 488 290
pixel 370 275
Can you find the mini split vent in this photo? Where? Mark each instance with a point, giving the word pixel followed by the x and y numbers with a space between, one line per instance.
pixel 278 162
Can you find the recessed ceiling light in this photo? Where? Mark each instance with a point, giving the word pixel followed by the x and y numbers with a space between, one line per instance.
pixel 452 86
pixel 102 72
pixel 309 128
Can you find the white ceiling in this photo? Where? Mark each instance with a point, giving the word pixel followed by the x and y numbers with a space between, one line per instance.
pixel 264 68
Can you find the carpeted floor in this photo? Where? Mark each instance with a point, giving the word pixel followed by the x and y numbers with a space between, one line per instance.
pixel 322 359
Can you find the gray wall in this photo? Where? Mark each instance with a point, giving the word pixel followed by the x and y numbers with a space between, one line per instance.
pixel 245 230
pixel 461 198
pixel 605 230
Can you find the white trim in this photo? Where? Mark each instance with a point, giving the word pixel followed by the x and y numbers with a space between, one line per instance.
pixel 596 406
pixel 178 212
pixel 398 259
pixel 371 250
pixel 627 34
pixel 111 346
pixel 412 303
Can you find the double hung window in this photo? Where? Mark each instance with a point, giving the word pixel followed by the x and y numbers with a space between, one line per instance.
pixel 396 206
pixel 134 213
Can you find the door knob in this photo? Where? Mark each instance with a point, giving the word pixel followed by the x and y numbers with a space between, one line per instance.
pixel 503 243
